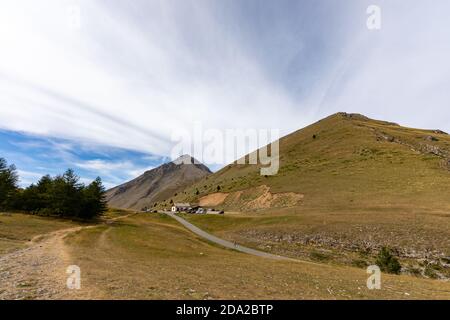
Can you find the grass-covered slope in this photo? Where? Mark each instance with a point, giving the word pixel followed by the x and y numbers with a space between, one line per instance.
pixel 153 257
pixel 348 186
pixel 350 160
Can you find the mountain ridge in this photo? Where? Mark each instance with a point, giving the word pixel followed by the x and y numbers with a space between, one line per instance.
pixel 157 184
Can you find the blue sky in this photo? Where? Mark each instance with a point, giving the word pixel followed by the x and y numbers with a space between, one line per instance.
pixel 36 156
pixel 104 96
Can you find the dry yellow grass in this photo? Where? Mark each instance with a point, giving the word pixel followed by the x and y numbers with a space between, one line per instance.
pixel 342 236
pixel 17 230
pixel 151 257
pixel 366 184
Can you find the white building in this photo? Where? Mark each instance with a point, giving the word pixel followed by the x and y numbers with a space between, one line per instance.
pixel 181 207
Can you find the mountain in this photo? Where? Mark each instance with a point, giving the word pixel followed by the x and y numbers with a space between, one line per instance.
pixel 347 187
pixel 157 184
pixel 345 160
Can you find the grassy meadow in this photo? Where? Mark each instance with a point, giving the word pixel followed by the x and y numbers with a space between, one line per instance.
pixel 364 184
pixel 17 230
pixel 150 256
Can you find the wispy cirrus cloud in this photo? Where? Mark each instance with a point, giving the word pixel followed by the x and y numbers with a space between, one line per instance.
pixel 130 74
pixel 26 178
pixel 112 168
pixel 104 166
pixel 37 156
pixel 135 71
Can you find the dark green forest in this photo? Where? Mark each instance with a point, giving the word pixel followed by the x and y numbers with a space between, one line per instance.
pixel 62 195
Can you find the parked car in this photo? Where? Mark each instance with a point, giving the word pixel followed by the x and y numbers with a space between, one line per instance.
pixel 192 210
pixel 200 211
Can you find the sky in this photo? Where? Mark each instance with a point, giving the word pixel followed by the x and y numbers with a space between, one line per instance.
pixel 101 86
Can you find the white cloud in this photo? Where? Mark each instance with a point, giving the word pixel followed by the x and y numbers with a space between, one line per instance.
pixel 135 71
pixel 104 166
pixel 28 177
pixel 112 169
pixel 399 73
pixel 128 81
pixel 138 171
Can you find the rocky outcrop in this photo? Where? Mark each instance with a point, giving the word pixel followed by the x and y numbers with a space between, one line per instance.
pixel 422 147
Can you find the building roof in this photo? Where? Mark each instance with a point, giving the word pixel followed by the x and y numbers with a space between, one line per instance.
pixel 181 204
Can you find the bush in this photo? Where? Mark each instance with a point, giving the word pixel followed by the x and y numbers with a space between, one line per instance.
pixel 388 262
pixel 430 272
pixel 319 256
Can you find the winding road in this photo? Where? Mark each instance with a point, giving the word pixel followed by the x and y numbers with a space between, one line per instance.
pixel 225 243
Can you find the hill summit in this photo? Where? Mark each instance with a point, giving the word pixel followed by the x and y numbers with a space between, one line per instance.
pixel 343 160
pixel 157 184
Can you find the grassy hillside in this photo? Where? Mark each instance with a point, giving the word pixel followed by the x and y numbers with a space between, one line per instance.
pixel 152 257
pixel 360 184
pixel 349 160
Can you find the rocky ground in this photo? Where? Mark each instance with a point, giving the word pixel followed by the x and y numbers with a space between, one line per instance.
pixel 421 260
pixel 38 271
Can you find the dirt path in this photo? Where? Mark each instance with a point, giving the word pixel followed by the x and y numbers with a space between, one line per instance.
pixel 39 271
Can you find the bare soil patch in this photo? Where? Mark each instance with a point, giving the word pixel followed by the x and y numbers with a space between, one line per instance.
pixel 253 199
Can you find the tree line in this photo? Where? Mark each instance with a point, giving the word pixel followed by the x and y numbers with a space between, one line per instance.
pixel 62 195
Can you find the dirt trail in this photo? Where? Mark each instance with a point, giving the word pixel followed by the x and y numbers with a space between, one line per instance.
pixel 39 271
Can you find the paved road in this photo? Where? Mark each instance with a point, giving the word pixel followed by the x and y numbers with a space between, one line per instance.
pixel 226 243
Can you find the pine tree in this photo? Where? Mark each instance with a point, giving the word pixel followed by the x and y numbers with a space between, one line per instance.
pixel 29 200
pixel 94 199
pixel 8 184
pixel 37 197
pixel 63 195
pixel 66 195
pixel 43 190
